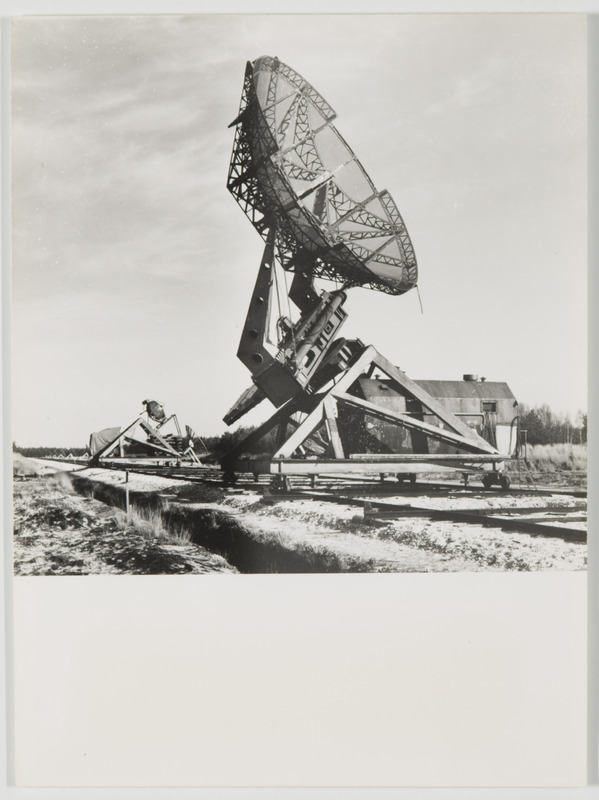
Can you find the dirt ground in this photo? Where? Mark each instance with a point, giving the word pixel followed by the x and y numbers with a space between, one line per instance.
pixel 60 532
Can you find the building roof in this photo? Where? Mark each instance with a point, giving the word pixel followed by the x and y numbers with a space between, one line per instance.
pixel 485 390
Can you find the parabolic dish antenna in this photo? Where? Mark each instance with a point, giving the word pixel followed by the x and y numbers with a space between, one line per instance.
pixel 292 170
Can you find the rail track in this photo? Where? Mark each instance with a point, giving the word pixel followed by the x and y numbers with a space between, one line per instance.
pixel 372 494
pixel 208 474
pixel 540 521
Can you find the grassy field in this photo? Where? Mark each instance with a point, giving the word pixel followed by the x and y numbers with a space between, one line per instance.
pixel 556 457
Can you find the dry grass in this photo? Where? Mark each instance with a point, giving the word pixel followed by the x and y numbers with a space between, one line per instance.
pixel 57 531
pixel 23 467
pixel 62 481
pixel 552 457
pixel 149 523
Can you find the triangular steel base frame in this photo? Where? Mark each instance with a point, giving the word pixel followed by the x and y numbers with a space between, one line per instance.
pixel 163 448
pixel 290 455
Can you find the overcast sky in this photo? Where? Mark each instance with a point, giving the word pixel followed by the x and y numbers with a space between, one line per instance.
pixel 133 266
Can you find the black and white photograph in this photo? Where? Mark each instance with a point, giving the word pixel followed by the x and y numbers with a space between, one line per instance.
pixel 378 366
pixel 298 416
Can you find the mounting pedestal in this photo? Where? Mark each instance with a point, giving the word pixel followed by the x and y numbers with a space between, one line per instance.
pixel 311 438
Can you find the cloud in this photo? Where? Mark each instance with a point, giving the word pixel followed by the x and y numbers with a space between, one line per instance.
pixel 129 254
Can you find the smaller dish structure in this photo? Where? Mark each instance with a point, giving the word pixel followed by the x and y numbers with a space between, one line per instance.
pixel 341 406
pixel 152 436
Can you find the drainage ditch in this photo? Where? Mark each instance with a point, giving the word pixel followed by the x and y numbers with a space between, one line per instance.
pixel 216 530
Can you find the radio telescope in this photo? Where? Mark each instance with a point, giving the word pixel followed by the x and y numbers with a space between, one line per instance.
pixel 341 406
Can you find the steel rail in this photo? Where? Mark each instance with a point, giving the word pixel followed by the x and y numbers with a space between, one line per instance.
pixel 374 511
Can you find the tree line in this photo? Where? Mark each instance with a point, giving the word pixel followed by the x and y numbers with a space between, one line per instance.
pixel 48 452
pixel 218 446
pixel 544 426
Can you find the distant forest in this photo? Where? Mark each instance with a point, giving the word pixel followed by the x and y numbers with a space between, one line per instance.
pixel 542 426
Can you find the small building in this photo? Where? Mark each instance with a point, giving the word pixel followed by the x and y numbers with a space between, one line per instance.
pixel 488 407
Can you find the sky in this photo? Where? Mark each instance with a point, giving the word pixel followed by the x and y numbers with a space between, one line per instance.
pixel 132 266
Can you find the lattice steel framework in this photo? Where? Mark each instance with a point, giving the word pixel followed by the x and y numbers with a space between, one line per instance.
pixel 292 171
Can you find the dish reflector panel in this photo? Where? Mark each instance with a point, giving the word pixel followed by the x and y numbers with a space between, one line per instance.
pixel 291 168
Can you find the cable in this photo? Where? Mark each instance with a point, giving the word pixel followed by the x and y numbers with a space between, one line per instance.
pixel 289 312
pixel 274 269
